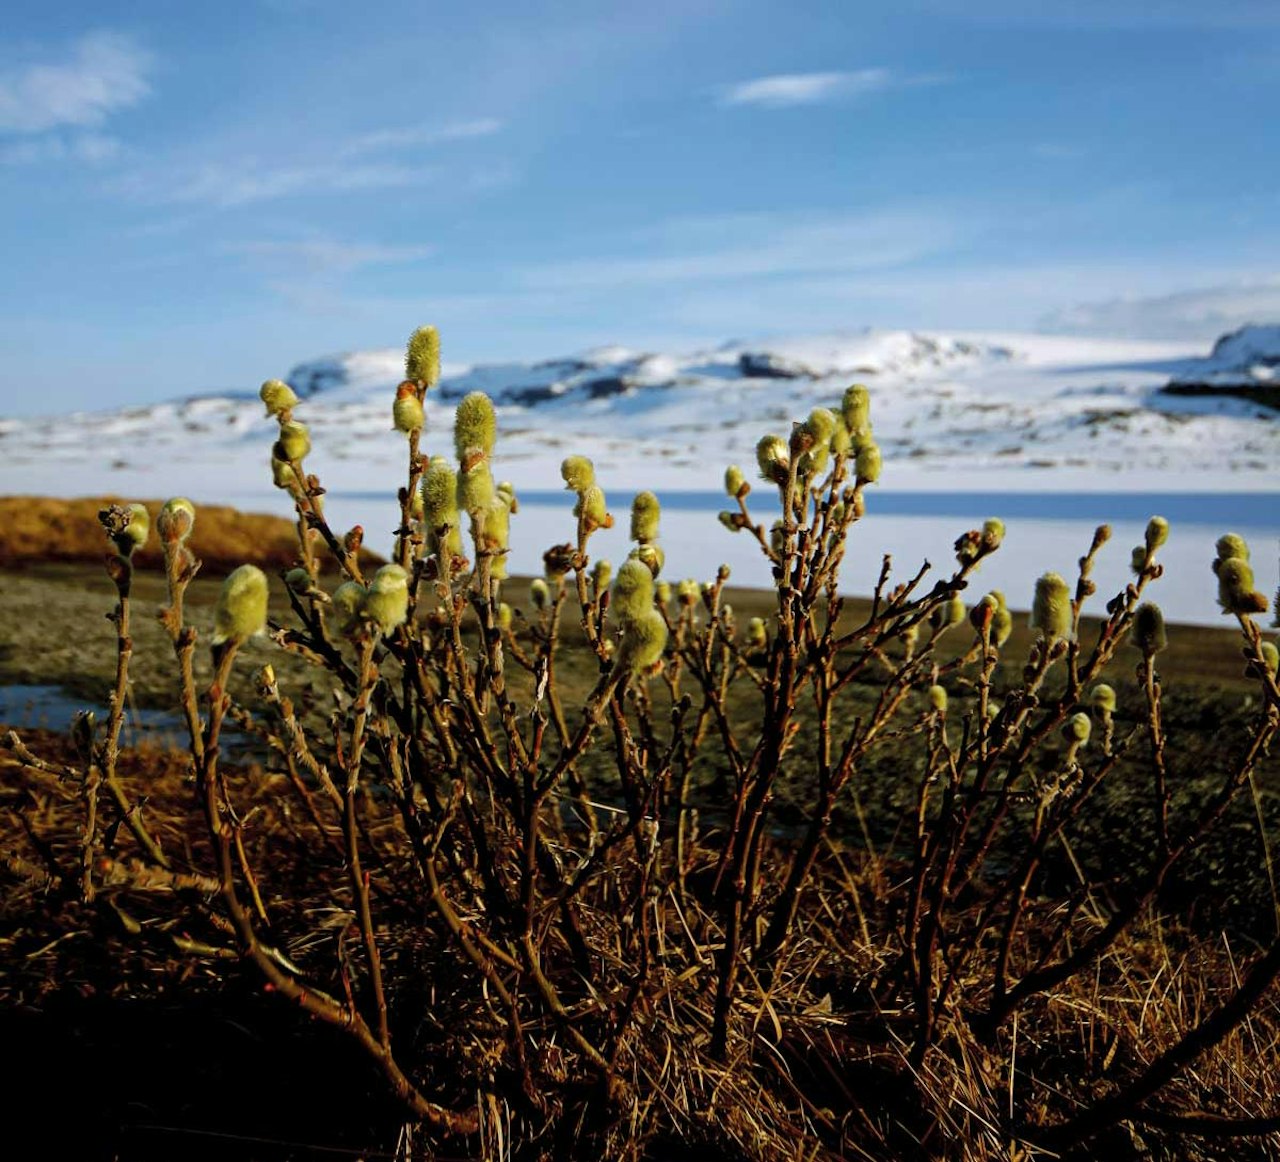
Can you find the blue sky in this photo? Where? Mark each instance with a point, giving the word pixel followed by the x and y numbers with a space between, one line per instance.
pixel 195 197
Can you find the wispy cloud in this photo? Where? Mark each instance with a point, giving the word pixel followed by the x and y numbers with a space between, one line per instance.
pixel 101 73
pixel 325 256
pixel 421 136
pixel 785 90
pixel 88 148
pixel 226 184
pixel 1200 311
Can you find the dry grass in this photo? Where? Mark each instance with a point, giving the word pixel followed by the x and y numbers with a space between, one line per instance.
pixel 37 530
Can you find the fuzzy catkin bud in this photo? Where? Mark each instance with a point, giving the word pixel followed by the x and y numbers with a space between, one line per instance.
pixel 241 612
pixel 645 512
pixel 134 535
pixel 298 580
pixel 643 640
pixel 422 356
pixel 938 698
pixel 294 443
pixel 1001 620
pixel 1103 699
pixel 652 556
pixel 868 464
pixel 662 592
pixel 1051 609
pixel 475 427
pixel 992 534
pixel 1235 588
pixel 1077 729
pixel 757 637
pixel 475 488
pixel 632 595
pixel 735 482
pixel 1157 533
pixel 855 408
pixel 1231 546
pixel 176 520
pixel 278 397
pixel 773 458
pixel 1148 629
pixel 1270 656
pixel 346 602
pixel 386 602
pixel 539 593
pixel 407 414
pixel 440 495
pixel 505 616
pixel 578 472
pixel 592 508
pixel 601 575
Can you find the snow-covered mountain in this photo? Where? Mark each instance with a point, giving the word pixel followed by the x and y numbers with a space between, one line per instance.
pixel 948 410
pixel 1245 363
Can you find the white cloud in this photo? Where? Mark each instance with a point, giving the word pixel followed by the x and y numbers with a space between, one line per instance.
pixel 418 136
pixel 239 184
pixel 1204 312
pixel 89 148
pixel 323 256
pixel 104 72
pixel 786 90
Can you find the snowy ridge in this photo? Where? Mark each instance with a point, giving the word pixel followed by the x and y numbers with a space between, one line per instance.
pixel 1249 357
pixel 949 411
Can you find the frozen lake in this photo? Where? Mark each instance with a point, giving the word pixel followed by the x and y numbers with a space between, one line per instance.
pixel 1044 530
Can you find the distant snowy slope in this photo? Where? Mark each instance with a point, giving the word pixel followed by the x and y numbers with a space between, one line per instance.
pixel 949 411
pixel 1245 363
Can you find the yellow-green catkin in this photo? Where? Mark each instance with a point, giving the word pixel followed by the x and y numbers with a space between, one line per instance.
pixel 757 635
pixel 643 640
pixel 1051 608
pixel 386 602
pixel 475 488
pixel 601 575
pixel 773 459
pixel 506 616
pixel 1149 634
pixel 953 610
pixel 578 472
pixel 1077 729
pixel 1236 593
pixel 1231 546
pixel 652 556
pixel 687 591
pixel 645 513
pixel 294 443
pixel 282 473
pixel 422 356
pixel 592 508
pixel 277 396
pixel 992 534
pixel 241 612
pixel 440 495
pixel 632 594
pixel 868 464
pixel 1270 656
pixel 1157 533
pixel 176 520
pixel 1102 698
pixel 1001 620
pixel 407 414
pixel 662 593
pixel 855 408
pixel 346 602
pixel 539 593
pixel 134 534
pixel 735 483
pixel 938 698
pixel 475 428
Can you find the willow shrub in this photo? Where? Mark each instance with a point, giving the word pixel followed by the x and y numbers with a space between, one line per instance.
pixel 606 929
